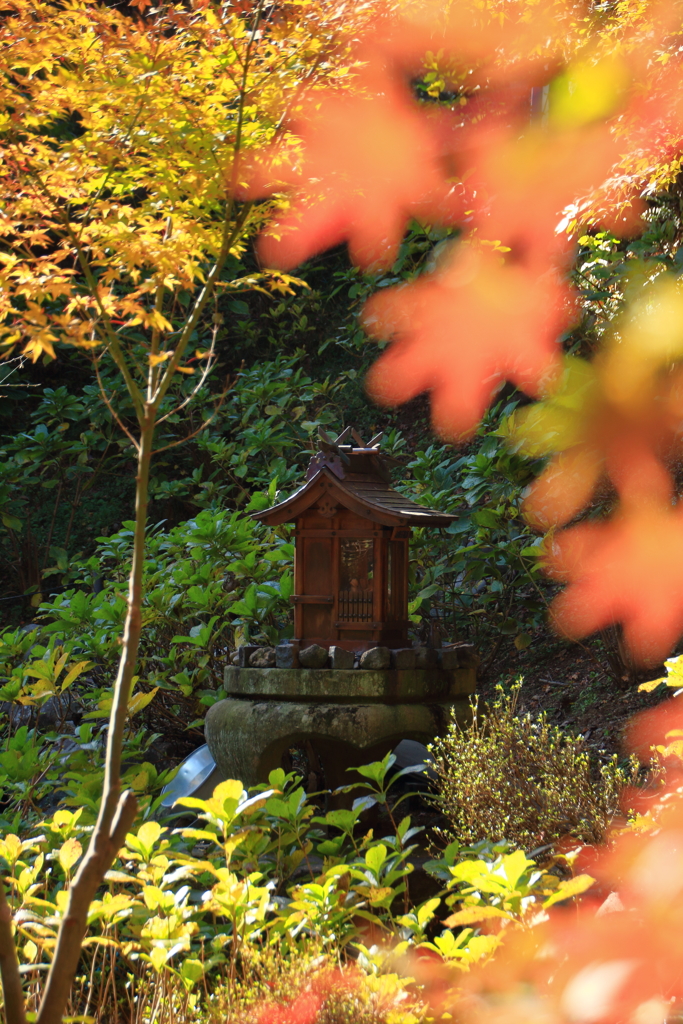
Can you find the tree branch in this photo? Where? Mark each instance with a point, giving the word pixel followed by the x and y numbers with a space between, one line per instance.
pixel 110 407
pixel 210 362
pixel 104 845
pixel 9 966
pixel 207 291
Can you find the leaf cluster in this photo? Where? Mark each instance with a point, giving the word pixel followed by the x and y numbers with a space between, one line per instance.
pixel 510 776
pixel 196 909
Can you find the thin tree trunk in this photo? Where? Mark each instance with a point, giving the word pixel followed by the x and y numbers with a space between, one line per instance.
pixel 117 811
pixel 52 526
pixel 15 1012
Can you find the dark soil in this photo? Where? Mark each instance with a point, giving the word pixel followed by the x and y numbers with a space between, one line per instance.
pixel 576 686
pixel 168 716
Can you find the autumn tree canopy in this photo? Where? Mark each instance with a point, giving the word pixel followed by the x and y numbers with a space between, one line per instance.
pixel 141 154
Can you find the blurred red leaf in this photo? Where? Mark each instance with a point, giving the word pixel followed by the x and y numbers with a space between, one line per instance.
pixel 627 570
pixel 460 332
pixel 368 164
pixel 525 181
pixel 617 447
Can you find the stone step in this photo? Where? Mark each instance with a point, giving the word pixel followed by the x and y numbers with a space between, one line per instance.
pixel 389 686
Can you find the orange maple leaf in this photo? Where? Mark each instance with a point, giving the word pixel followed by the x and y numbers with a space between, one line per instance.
pixel 627 450
pixel 526 182
pixel 369 163
pixel 462 331
pixel 627 570
pixel 617 417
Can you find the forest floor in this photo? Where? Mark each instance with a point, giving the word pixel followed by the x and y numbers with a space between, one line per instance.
pixel 576 687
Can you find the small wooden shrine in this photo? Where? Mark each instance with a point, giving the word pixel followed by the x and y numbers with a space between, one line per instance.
pixel 352 535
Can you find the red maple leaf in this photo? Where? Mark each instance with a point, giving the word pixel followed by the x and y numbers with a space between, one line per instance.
pixel 368 164
pixel 628 570
pixel 460 332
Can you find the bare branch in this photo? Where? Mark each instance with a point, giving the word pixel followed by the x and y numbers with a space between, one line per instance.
pixel 207 421
pixel 13 369
pixel 206 293
pixel 210 363
pixel 110 407
pixel 186 401
pixel 153 370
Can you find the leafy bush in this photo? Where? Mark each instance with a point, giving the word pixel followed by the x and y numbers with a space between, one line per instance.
pixel 265 431
pixel 518 778
pixel 218 580
pixel 56 477
pixel 482 581
pixel 261 897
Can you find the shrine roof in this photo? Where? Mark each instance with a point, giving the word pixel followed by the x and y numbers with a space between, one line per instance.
pixel 356 477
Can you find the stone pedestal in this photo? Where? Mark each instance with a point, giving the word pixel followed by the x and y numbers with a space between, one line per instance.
pixel 350 717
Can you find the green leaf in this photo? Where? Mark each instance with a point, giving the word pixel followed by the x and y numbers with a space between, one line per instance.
pixel 11 690
pixel 331 847
pixel 375 858
pixel 191 971
pixel 74 672
pixel 287 586
pixel 514 866
pixel 61 556
pixel 472 915
pixel 69 853
pixel 343 819
pixel 239 608
pixel 376 771
pixel 485 517
pixel 158 956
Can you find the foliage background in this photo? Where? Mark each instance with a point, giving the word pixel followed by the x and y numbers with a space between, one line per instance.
pixel 286 365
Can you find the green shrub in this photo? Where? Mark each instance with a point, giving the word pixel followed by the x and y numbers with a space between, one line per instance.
pixel 261 908
pixel 518 778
